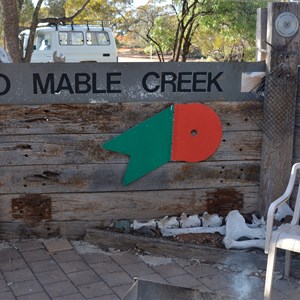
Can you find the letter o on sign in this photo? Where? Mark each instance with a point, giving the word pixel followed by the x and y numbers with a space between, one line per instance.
pixel 4 89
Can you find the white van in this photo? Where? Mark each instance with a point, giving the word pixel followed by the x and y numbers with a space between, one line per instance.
pixel 77 43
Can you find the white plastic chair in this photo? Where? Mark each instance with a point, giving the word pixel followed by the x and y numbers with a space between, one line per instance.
pixel 286 237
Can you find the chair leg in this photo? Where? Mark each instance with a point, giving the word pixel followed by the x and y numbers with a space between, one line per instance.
pixel 287 263
pixel 269 273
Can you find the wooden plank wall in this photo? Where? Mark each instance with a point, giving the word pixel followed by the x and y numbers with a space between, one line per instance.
pixel 55 179
pixel 296 153
pixel 296 146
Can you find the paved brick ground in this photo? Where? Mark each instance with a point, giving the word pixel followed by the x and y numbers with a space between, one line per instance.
pixel 29 271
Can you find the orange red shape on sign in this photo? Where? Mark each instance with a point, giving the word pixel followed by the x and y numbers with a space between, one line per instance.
pixel 197 132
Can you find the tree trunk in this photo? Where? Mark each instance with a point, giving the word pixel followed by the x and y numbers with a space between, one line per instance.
pixel 10 13
pixel 34 24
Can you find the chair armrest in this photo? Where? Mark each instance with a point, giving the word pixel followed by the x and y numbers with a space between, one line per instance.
pixel 270 218
pixel 274 205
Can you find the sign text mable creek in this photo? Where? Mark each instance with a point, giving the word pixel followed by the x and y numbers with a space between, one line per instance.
pixel 123 82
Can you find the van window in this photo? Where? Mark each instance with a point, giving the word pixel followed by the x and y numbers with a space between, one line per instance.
pixel 97 38
pixel 42 41
pixel 70 38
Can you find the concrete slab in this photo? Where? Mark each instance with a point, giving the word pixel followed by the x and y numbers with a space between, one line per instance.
pixel 55 245
pixel 29 271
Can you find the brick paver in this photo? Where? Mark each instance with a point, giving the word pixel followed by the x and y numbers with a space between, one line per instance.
pixel 216 282
pixel 30 245
pixel 106 267
pixel 121 290
pixel 37 296
pixel 71 297
pixel 138 269
pixel 43 265
pixel 9 254
pixel 169 270
pixel 185 280
pixel 74 266
pixel 66 256
pixel 84 277
pixel 12 264
pixel 51 276
pixel 126 259
pixel 36 255
pixel 95 258
pixel 107 297
pixel 153 277
pixel 29 272
pixel 95 289
pixel 203 270
pixel 117 278
pixel 7 295
pixel 59 289
pixel 25 287
pixel 18 275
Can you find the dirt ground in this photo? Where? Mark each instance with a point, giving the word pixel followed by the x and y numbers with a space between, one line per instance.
pixel 204 239
pixel 136 55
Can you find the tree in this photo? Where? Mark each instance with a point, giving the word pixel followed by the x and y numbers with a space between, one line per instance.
pixel 27 9
pixel 222 29
pixel 11 11
pixel 229 34
pixel 184 25
pixel 56 8
pixel 97 10
pixel 34 23
pixel 66 19
pixel 187 14
pixel 169 27
pixel 146 23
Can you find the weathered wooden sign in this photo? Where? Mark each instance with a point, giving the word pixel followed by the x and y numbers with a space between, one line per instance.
pixel 123 82
pixel 182 132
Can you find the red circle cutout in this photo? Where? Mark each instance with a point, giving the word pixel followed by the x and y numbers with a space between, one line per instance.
pixel 197 132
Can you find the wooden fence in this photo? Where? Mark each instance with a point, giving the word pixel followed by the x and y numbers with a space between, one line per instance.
pixel 56 179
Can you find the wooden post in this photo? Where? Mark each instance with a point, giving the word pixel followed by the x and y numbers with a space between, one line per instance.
pixel 279 106
pixel 261 34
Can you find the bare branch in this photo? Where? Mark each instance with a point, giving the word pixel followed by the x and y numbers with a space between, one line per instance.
pixel 65 19
pixel 34 23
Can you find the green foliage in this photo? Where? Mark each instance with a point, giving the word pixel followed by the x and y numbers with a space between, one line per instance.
pixel 164 31
pixel 232 24
pixel 96 10
pixel 217 29
pixel 56 8
pixel 25 11
pixel 214 28
pixel 150 24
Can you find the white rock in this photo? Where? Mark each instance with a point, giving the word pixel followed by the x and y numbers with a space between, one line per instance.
pixel 167 222
pixel 189 221
pixel 211 220
pixel 237 228
pixel 177 231
pixel 137 225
